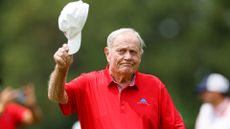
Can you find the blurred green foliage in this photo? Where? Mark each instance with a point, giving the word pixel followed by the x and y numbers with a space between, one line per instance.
pixel 185 40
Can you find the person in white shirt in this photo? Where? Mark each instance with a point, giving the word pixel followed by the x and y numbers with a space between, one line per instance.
pixel 215 111
pixel 76 125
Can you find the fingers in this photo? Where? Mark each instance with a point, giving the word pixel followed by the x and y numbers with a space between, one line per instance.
pixel 62 58
pixel 70 59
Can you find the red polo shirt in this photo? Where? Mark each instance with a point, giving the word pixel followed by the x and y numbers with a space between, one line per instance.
pixel 99 104
pixel 12 116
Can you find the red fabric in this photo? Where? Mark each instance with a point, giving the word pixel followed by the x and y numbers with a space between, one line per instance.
pixel 12 116
pixel 99 104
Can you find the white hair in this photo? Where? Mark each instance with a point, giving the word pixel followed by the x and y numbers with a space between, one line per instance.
pixel 115 33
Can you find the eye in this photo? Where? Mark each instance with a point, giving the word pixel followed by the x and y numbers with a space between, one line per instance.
pixel 133 52
pixel 121 51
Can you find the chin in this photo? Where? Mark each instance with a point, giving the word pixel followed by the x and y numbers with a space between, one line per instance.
pixel 127 71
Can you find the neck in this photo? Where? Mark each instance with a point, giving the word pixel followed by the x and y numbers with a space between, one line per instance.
pixel 121 78
pixel 218 101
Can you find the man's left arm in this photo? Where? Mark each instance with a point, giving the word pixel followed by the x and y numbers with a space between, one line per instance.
pixel 170 117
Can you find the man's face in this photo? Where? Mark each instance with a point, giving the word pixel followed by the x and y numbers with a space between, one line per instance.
pixel 124 56
pixel 210 97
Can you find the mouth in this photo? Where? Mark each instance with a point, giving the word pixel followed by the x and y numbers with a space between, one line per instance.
pixel 126 64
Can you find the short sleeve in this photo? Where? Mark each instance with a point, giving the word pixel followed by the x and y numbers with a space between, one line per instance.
pixel 74 90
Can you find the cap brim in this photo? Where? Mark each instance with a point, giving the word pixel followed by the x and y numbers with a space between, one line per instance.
pixel 74 44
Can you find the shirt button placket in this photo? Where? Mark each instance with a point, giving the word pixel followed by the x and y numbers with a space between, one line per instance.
pixel 122 103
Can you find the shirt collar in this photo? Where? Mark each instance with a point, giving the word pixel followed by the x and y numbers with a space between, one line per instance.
pixel 110 80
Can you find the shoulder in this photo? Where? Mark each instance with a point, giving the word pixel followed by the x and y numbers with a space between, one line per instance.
pixel 15 108
pixel 149 81
pixel 228 105
pixel 13 105
pixel 92 74
pixel 88 76
pixel 150 78
pixel 206 108
pixel 147 76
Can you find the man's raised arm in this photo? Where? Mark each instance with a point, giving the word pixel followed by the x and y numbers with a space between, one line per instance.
pixel 57 80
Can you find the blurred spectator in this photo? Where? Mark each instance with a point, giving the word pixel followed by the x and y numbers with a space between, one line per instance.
pixel 18 107
pixel 76 125
pixel 215 110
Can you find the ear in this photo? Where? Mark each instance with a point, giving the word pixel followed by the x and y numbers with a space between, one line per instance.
pixel 106 51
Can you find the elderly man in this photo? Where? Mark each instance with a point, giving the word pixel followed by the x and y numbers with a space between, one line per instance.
pixel 118 97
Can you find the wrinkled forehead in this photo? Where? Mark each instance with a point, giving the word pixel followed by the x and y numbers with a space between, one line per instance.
pixel 127 38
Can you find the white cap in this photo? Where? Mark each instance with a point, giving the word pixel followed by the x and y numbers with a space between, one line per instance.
pixel 214 82
pixel 71 21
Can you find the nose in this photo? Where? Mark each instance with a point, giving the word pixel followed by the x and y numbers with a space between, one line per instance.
pixel 127 55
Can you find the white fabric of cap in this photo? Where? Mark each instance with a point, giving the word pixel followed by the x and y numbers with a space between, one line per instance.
pixel 217 83
pixel 71 21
